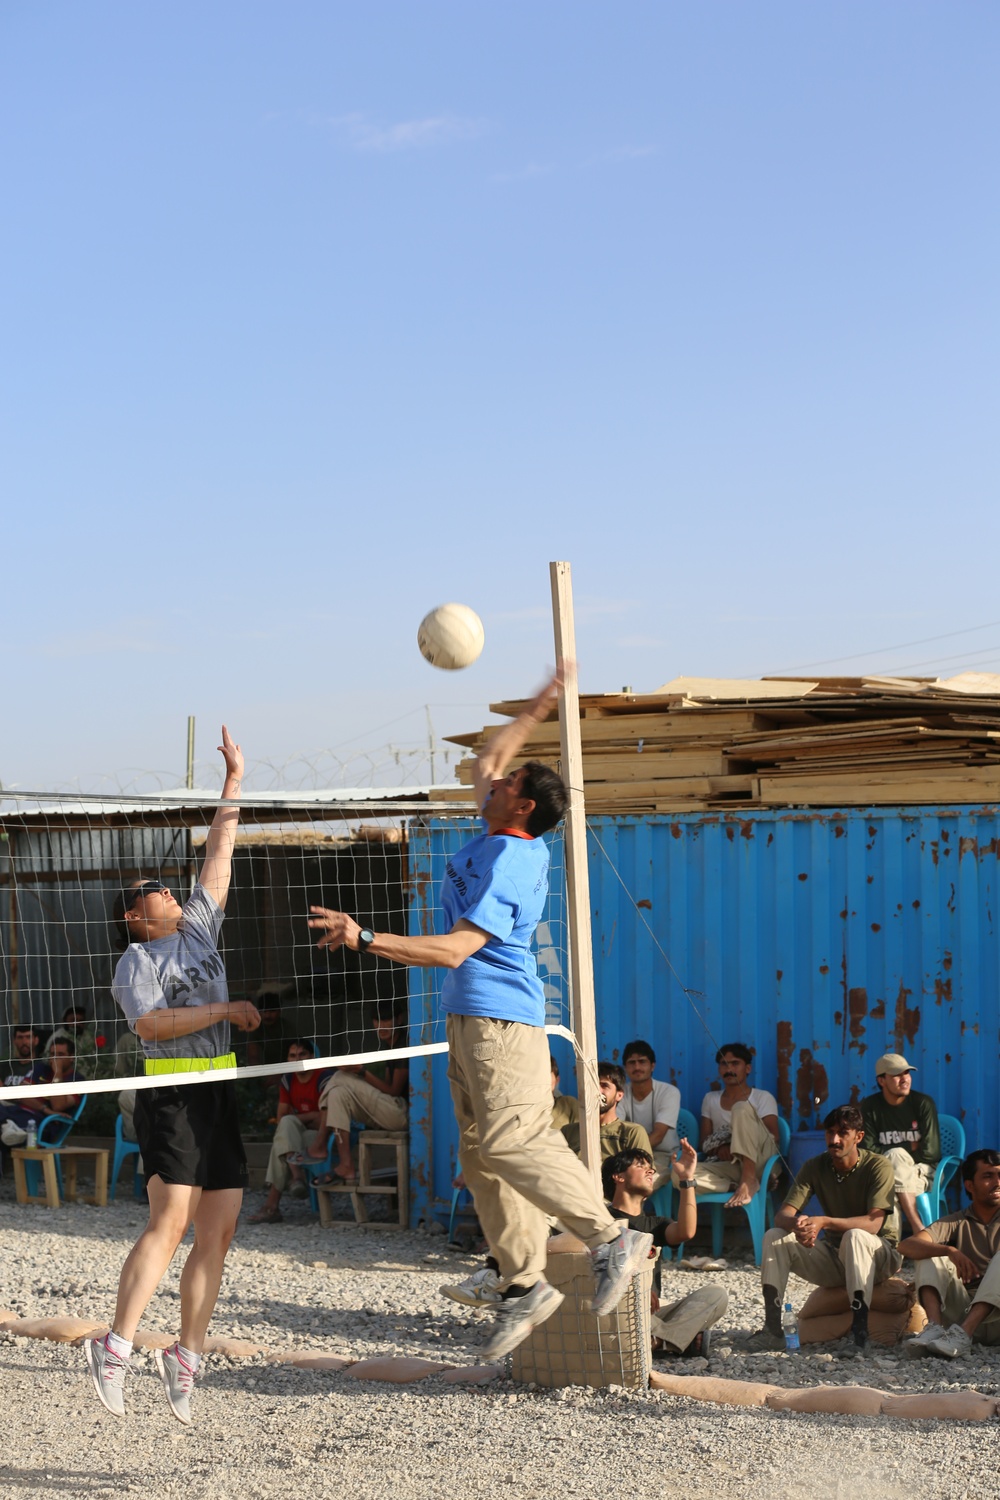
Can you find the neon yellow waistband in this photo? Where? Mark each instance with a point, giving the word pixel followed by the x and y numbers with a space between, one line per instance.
pixel 189 1064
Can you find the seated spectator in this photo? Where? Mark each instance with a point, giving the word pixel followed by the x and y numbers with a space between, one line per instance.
pixel 74 1027
pixel 682 1327
pixel 299 1118
pixel 739 1129
pixel 27 1048
pixel 651 1103
pixel 958 1268
pixel 376 1096
pixel 565 1109
pixel 616 1134
pixel 273 1037
pixel 59 1067
pixel 858 1225
pixel 902 1126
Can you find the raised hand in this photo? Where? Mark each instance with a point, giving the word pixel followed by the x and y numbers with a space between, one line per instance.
pixel 232 755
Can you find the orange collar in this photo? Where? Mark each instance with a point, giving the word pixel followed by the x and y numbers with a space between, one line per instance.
pixel 514 833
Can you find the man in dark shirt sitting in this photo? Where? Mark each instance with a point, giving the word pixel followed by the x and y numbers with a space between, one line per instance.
pixel 683 1327
pixel 858 1225
pixel 958 1268
pixel 902 1126
pixel 59 1067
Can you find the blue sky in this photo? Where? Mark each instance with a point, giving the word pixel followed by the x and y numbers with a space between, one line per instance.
pixel 317 315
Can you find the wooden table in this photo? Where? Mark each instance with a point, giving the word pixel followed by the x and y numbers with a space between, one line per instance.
pixel 69 1159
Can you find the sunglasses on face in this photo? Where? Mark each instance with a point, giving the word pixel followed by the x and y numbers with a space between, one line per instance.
pixel 147 888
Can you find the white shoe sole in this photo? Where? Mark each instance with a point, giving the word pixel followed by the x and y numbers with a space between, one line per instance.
pixel 470 1299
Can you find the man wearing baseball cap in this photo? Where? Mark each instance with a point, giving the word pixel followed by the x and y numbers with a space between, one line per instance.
pixel 902 1126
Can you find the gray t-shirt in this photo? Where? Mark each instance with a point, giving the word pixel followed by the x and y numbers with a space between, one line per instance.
pixel 181 969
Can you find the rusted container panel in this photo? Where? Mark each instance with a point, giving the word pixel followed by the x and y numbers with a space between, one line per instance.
pixel 821 939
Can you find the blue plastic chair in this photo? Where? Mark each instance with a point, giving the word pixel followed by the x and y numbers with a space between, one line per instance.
pixel 52 1132
pixel 662 1201
pixel 929 1204
pixel 124 1148
pixel 759 1210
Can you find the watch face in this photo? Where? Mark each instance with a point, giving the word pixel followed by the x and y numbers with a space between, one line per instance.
pixel 365 938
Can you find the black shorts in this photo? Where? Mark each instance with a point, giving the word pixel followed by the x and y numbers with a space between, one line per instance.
pixel 189 1135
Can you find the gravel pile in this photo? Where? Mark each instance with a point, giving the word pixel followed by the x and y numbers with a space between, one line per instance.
pixel 267 1431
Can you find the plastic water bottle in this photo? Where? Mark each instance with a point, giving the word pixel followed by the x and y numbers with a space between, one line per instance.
pixel 31 1132
pixel 790 1328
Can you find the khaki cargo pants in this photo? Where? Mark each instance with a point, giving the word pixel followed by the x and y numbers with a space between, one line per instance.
pixel 862 1260
pixel 750 1137
pixel 956 1299
pixel 517 1169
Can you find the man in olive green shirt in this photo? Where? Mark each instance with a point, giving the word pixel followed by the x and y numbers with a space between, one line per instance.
pixel 616 1135
pixel 958 1268
pixel 902 1126
pixel 858 1223
pixel 565 1109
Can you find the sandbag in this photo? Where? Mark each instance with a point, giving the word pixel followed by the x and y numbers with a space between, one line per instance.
pixel 956 1406
pixel 883 1327
pixel 565 1244
pixel 303 1361
pixel 849 1400
pixel 707 1388
pixel 399 1371
pixel 62 1330
pixel 893 1295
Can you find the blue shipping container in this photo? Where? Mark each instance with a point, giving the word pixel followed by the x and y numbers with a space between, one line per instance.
pixel 820 938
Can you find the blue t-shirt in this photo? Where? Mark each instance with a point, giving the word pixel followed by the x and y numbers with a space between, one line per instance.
pixel 500 883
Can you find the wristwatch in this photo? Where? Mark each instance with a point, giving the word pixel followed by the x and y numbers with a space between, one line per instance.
pixel 365 939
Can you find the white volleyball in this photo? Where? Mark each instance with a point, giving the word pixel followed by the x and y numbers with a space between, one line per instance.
pixel 451 636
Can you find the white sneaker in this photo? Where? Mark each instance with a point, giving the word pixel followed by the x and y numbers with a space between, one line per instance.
pixel 108 1373
pixel 481 1289
pixel 919 1346
pixel 518 1316
pixel 951 1343
pixel 615 1265
pixel 11 1134
pixel 178 1382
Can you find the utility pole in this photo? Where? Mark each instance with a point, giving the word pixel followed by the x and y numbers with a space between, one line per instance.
pixel 190 757
pixel 431 744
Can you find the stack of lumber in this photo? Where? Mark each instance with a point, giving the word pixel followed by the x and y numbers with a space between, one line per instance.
pixel 705 743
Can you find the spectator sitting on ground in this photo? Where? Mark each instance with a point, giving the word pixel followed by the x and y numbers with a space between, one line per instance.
pixel 27 1048
pixel 565 1109
pixel 958 1268
pixel 74 1027
pixel 616 1134
pixel 902 1126
pixel 683 1326
pixel 58 1067
pixel 376 1096
pixel 858 1224
pixel 651 1103
pixel 739 1130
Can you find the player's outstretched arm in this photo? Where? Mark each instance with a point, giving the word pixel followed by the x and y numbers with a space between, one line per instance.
pixel 444 951
pixel 501 747
pixel 216 870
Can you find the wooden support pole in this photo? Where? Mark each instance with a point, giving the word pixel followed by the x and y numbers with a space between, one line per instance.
pixel 581 954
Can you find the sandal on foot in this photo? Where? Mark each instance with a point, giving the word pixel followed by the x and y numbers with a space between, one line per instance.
pixel 333 1179
pixel 267 1216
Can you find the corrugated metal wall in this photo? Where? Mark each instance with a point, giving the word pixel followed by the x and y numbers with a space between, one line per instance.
pixel 821 939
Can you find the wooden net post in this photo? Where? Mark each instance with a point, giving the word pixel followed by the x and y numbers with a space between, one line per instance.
pixel 577 876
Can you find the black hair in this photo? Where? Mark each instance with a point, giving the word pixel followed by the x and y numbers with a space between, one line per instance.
pixel 63 1041
pixel 617 1166
pixel 844 1117
pixel 302 1041
pixel 74 1010
pixel 614 1072
pixel 738 1049
pixel 27 1026
pixel 985 1158
pixel 553 1064
pixel 547 791
pixel 639 1049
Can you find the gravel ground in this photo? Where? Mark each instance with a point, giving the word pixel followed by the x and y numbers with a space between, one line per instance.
pixel 265 1431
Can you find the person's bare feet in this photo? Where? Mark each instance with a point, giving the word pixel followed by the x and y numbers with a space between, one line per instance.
pixel 744 1193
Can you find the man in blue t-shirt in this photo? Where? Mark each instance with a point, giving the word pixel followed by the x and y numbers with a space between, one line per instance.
pixel 517 1168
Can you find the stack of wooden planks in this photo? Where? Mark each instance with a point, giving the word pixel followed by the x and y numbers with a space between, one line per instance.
pixel 703 743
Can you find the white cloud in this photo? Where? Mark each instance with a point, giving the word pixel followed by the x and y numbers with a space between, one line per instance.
pixel 365 134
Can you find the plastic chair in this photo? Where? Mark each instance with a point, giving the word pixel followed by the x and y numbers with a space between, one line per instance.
pixel 929 1204
pixel 52 1132
pixel 758 1210
pixel 124 1148
pixel 662 1201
